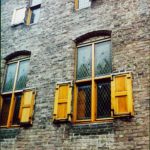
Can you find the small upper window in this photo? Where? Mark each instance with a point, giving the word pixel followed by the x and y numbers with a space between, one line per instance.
pixel 33 12
pixel 35 2
pixel 29 15
pixel 80 4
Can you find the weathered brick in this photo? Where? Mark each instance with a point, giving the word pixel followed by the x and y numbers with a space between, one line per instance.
pixel 51 42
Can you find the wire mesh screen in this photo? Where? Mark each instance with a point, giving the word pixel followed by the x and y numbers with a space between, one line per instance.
pixel 84 102
pixel 103 99
pixel 103 58
pixel 84 62
pixel 16 110
pixel 5 110
pixel 84 3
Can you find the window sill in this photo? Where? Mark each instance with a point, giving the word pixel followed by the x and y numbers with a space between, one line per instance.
pixel 12 126
pixel 78 9
pixel 104 120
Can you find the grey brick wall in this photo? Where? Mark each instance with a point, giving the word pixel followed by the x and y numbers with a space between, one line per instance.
pixel 51 42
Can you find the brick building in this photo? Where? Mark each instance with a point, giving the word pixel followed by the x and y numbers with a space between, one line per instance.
pixel 74 75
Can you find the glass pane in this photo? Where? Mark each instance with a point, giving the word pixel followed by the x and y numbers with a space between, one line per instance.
pixel 5 110
pixel 16 110
pixel 35 15
pixel 36 2
pixel 22 75
pixel 103 99
pixel 84 102
pixel 10 76
pixel 103 58
pixel 84 62
pixel 84 3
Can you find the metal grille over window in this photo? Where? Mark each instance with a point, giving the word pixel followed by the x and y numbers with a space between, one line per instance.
pixel 84 62
pixel 103 99
pixel 92 89
pixel 102 58
pixel 5 110
pixel 16 110
pixel 22 75
pixel 84 102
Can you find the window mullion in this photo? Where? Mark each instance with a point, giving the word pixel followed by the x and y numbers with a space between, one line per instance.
pixel 93 102
pixel 15 81
pixel 12 104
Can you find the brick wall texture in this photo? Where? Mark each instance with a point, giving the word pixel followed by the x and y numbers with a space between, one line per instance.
pixel 52 46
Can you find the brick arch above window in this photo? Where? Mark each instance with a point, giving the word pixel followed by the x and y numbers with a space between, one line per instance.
pixel 92 34
pixel 17 54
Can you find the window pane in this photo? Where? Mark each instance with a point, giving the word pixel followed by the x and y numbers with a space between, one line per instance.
pixel 35 15
pixel 10 76
pixel 35 2
pixel 5 110
pixel 22 75
pixel 103 99
pixel 16 110
pixel 102 58
pixel 84 62
pixel 84 3
pixel 84 102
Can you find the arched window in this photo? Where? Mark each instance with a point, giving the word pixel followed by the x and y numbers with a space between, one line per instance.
pixel 93 69
pixel 14 84
pixel 99 94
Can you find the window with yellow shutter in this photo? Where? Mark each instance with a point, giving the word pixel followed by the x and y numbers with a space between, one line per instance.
pixel 33 12
pixel 12 95
pixel 27 15
pixel 99 94
pixel 62 104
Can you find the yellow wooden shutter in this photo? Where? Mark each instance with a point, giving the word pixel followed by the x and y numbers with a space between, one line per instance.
pixel 76 2
pixel 121 95
pixel 62 104
pixel 28 17
pixel 27 107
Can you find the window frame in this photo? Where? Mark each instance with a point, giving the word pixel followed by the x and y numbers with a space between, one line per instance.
pixel 30 9
pixel 93 83
pixel 13 92
pixel 76 3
